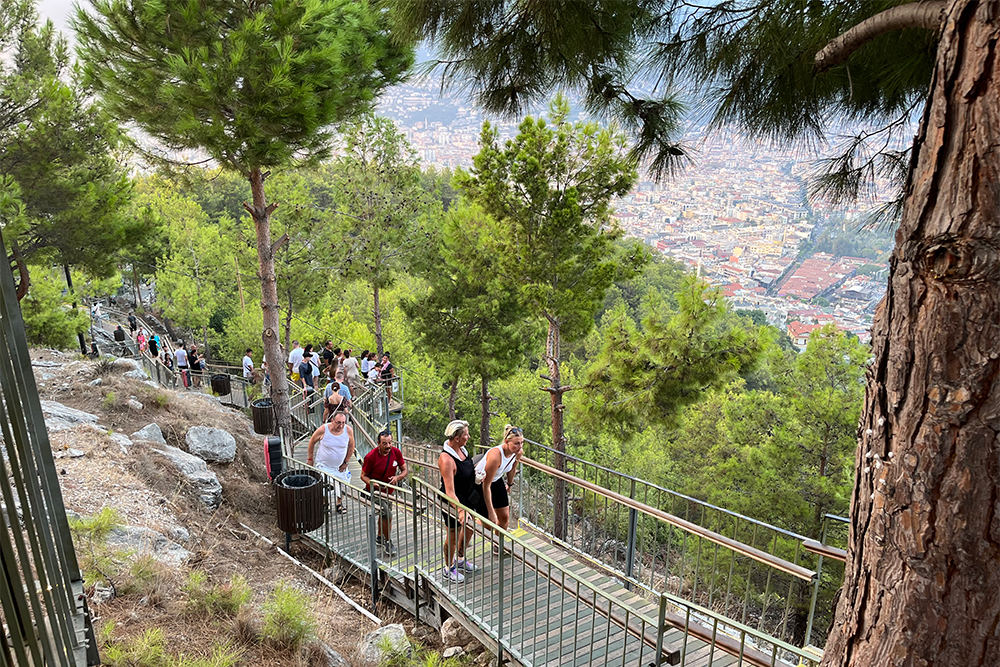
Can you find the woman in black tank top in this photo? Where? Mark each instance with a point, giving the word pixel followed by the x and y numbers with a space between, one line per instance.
pixel 458 481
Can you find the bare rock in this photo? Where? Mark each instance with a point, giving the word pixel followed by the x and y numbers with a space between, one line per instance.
pixel 211 444
pixel 385 643
pixel 150 432
pixel 134 405
pixel 130 364
pixel 453 652
pixel 123 441
pixel 96 382
pixel 143 541
pixel 332 658
pixel 197 473
pixel 137 374
pixel 58 411
pixel 454 633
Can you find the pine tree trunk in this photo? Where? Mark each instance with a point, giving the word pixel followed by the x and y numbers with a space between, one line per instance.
pixel 452 397
pixel 261 213
pixel 135 286
pixel 377 314
pixel 484 417
pixel 555 389
pixel 288 325
pixel 922 584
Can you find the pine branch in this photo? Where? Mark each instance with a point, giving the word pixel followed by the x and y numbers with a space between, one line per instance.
pixel 927 14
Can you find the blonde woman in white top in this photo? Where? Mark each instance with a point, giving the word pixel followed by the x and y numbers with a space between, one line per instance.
pixel 496 471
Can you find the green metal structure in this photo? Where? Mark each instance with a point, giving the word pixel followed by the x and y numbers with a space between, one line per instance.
pixel 42 602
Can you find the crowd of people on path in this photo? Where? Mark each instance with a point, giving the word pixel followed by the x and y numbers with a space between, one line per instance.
pixel 478 485
pixel 338 370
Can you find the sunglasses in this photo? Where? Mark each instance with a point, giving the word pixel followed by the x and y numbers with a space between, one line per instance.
pixel 514 431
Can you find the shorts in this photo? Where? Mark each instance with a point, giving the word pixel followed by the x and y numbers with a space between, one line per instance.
pixel 383 506
pixel 295 376
pixel 450 513
pixel 498 493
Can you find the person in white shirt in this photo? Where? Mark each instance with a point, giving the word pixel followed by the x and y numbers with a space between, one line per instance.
pixel 294 359
pixel 180 354
pixel 248 365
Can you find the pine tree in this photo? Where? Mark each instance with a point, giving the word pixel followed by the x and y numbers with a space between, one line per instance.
pixel 549 189
pixel 253 85
pixel 922 583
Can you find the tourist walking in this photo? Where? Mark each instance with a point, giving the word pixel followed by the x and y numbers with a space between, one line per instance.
pixel 154 347
pixel 458 482
pixel 495 473
pixel 248 365
pixel 133 324
pixel 330 448
pixel 194 366
pixel 294 359
pixel 181 357
pixel 352 372
pixel 385 464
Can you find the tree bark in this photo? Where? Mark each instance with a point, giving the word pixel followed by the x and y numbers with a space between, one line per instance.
pixel 288 325
pixel 261 211
pixel 377 314
pixel 556 390
pixel 72 296
pixel 484 417
pixel 922 584
pixel 452 397
pixel 23 276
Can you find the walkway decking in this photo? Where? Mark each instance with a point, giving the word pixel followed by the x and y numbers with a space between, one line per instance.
pixel 552 610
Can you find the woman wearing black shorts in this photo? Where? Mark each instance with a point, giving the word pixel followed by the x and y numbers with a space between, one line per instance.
pixel 458 482
pixel 496 471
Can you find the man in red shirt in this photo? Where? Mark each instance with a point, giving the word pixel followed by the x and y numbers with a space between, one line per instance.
pixel 383 464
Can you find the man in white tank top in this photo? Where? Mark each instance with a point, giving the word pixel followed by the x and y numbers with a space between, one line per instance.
pixel 336 447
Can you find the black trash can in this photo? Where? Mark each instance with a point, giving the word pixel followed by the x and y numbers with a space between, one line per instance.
pixel 221 384
pixel 301 501
pixel 262 411
pixel 273 461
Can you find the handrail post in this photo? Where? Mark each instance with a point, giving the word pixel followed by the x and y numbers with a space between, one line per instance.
pixel 815 591
pixel 660 626
pixel 371 546
pixel 500 607
pixel 416 550
pixel 633 522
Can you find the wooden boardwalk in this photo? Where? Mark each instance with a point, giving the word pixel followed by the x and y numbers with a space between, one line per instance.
pixel 546 613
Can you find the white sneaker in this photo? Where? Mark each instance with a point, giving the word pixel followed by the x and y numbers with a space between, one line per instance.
pixel 453 574
pixel 465 564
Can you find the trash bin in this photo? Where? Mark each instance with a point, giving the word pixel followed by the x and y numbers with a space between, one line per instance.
pixel 301 501
pixel 272 456
pixel 221 384
pixel 262 411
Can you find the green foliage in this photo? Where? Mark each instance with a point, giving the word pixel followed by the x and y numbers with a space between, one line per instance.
pixel 90 534
pixel 747 64
pixel 288 617
pixel 649 374
pixel 110 400
pixel 379 191
pixel 48 320
pixel 470 320
pixel 253 84
pixel 212 600
pixel 149 650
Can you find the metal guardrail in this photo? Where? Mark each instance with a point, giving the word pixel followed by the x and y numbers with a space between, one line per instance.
pixel 649 552
pixel 520 621
pixel 42 603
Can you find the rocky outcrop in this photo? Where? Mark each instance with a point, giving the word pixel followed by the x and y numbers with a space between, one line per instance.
pixel 211 444
pixel 141 541
pixel 150 432
pixel 387 642
pixel 59 417
pixel 196 473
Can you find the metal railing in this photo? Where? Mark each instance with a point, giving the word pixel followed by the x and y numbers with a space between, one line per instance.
pixel 42 604
pixel 533 607
pixel 648 550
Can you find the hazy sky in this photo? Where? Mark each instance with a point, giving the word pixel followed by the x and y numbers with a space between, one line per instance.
pixel 57 10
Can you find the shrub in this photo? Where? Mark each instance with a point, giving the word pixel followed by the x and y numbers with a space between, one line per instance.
pixel 146 650
pixel 110 399
pixel 216 600
pixel 288 619
pixel 90 536
pixel 146 577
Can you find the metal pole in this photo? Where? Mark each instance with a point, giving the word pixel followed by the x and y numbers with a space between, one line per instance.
pixel 633 521
pixel 661 624
pixel 815 593
pixel 500 608
pixel 371 551
pixel 416 551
